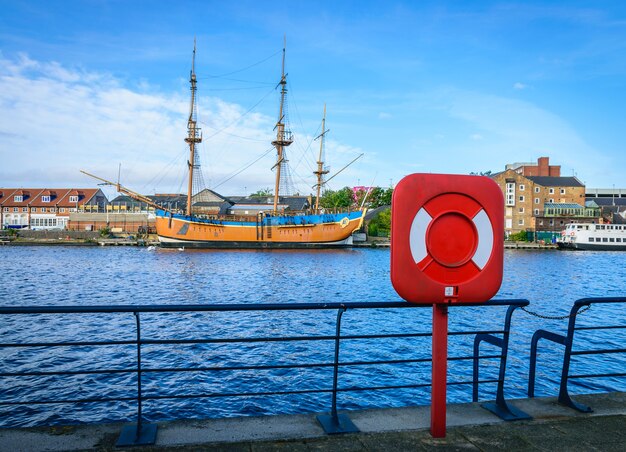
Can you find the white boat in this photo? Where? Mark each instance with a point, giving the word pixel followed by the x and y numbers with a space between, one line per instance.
pixel 602 237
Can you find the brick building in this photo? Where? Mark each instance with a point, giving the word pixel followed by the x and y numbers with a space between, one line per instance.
pixel 530 202
pixel 542 168
pixel 46 208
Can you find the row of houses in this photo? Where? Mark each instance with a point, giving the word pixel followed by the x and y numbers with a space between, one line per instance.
pixel 89 208
pixel 46 208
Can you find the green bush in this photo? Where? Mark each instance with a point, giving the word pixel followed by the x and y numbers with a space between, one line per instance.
pixel 521 236
pixel 380 225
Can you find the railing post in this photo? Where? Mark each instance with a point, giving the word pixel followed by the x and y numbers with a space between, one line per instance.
pixel 567 341
pixel 139 434
pixel 539 334
pixel 334 423
pixel 564 397
pixel 500 408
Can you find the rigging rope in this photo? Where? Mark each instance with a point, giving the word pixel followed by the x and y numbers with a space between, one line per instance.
pixel 245 68
pixel 244 168
pixel 239 118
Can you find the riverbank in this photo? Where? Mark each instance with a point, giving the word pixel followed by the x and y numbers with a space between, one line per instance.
pixel 470 427
pixel 153 241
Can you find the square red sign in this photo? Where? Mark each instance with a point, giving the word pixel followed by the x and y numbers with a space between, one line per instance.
pixel 447 234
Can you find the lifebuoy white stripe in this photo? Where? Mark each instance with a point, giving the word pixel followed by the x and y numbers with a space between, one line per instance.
pixel 417 235
pixel 485 239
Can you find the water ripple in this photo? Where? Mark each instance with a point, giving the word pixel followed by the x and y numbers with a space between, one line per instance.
pixel 124 276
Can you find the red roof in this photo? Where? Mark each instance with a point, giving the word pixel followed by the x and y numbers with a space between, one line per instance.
pixel 59 197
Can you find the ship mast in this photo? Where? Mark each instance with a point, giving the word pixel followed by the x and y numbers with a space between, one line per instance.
pixel 194 134
pixel 283 137
pixel 320 163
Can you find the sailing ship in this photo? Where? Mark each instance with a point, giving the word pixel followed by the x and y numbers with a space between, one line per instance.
pixel 273 228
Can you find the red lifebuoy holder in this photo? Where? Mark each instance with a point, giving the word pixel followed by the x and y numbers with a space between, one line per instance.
pixel 447 235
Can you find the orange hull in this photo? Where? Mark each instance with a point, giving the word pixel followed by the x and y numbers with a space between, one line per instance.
pixel 289 232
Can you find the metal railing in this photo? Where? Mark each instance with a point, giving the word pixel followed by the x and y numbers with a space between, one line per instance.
pixel 143 433
pixel 567 341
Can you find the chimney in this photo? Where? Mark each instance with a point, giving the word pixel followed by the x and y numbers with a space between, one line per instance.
pixel 543 164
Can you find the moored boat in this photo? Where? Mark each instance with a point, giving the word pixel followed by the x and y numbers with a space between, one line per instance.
pixel 601 237
pixel 272 227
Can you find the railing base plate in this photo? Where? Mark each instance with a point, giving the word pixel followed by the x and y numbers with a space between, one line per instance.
pixel 334 425
pixel 128 436
pixel 507 413
pixel 568 402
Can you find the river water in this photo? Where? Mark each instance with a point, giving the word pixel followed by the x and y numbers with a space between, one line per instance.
pixel 37 275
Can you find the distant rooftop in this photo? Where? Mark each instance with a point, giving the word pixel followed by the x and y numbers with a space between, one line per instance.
pixel 564 205
pixel 552 181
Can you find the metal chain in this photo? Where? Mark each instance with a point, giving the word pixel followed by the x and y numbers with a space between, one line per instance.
pixel 554 317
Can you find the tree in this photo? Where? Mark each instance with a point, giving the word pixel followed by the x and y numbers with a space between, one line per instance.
pixel 262 193
pixel 331 199
pixel 346 197
pixel 481 173
pixel 380 225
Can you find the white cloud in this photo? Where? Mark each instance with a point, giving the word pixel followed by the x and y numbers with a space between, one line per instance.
pixel 519 86
pixel 384 115
pixel 476 137
pixel 55 121
pixel 520 130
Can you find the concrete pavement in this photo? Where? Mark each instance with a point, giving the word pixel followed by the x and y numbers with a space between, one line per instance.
pixel 470 427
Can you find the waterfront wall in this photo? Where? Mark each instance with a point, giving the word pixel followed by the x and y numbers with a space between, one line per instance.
pixel 57 234
pixel 116 222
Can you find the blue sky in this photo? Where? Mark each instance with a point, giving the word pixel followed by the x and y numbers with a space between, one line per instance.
pixel 443 87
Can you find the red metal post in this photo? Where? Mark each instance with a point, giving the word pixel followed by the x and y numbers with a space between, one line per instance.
pixel 439 371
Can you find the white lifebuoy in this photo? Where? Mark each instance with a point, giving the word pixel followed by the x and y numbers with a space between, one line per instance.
pixel 484 230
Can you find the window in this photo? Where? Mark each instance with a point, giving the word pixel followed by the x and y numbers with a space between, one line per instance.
pixel 537 189
pixel 52 209
pixel 521 210
pixel 73 198
pixel 521 199
pixel 33 210
pixel 24 209
pixel 537 200
pixel 618 239
pixel 551 191
pixel 43 210
pixel 551 222
pixel 15 209
pixel 510 193
pixel 536 212
pixel 591 239
pixel 18 198
pixel 522 187
pixel 520 222
pixel 45 199
pixel 551 200
pixel 62 209
pixel 604 239
pixel 611 239
pixel 562 191
pixel 6 209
